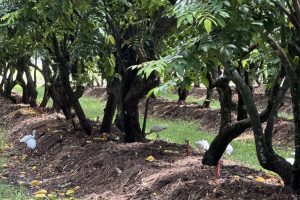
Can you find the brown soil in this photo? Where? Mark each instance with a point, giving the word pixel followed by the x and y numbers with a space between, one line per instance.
pixel 66 158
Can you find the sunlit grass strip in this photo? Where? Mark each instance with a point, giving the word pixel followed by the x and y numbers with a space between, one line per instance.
pixel 8 191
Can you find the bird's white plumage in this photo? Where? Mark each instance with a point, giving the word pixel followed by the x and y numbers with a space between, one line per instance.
pixel 202 145
pixel 157 128
pixel 31 144
pixel 229 149
pixel 27 137
pixel 290 160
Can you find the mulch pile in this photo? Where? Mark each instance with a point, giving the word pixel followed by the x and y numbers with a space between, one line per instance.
pixel 67 159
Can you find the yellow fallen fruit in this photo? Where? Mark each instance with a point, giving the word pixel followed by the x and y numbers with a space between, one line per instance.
pixel 35 183
pixel 150 158
pixel 40 196
pixel 41 191
pixel 34 168
pixel 70 192
pixel 88 142
pixel 236 178
pixel 77 187
pixel 260 179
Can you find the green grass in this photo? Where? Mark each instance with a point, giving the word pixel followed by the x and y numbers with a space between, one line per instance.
pixel 8 191
pixel 92 107
pixel 287 116
pixel 192 99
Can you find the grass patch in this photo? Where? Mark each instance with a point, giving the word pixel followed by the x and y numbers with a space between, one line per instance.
pixel 287 116
pixel 40 90
pixel 8 191
pixel 92 107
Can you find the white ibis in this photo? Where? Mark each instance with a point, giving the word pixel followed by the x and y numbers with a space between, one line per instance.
pixel 203 145
pixel 27 137
pixel 228 151
pixel 30 140
pixel 31 144
pixel 290 160
pixel 156 129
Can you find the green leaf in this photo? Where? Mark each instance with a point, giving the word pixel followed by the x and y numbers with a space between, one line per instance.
pixel 207 25
pixel 190 19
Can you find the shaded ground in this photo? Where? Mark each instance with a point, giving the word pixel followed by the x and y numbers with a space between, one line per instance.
pixel 67 159
pixel 209 118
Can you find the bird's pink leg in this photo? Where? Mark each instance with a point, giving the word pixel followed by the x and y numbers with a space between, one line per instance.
pixel 218 169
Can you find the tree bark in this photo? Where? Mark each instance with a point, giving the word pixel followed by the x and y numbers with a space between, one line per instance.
pixel 268 159
pixel 295 91
pixel 182 94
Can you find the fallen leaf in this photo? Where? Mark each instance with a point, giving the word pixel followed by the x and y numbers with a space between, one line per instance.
pixel 62 194
pixel 34 168
pixel 21 183
pixel 40 196
pixel 88 141
pixel 41 191
pixel 70 192
pixel 150 158
pixel 250 177
pixel 51 196
pixel 260 179
pixel 101 139
pixel 5 165
pixel 119 170
pixel 170 151
pixel 237 178
pixel 35 183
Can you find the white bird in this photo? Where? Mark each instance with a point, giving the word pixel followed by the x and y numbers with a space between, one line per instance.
pixel 156 129
pixel 31 144
pixel 27 137
pixel 202 145
pixel 290 160
pixel 229 149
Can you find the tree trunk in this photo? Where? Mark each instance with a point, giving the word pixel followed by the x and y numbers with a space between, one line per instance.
pixel 295 91
pixel 4 77
pixel 46 97
pixel 182 94
pixel 9 84
pixel 225 96
pixel 46 74
pixel 109 113
pixel 241 108
pixel 113 91
pixel 31 88
pixel 133 132
pixel 233 130
pixel 145 116
pixel 268 159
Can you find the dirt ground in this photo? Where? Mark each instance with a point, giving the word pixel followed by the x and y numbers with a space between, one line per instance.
pixel 67 159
